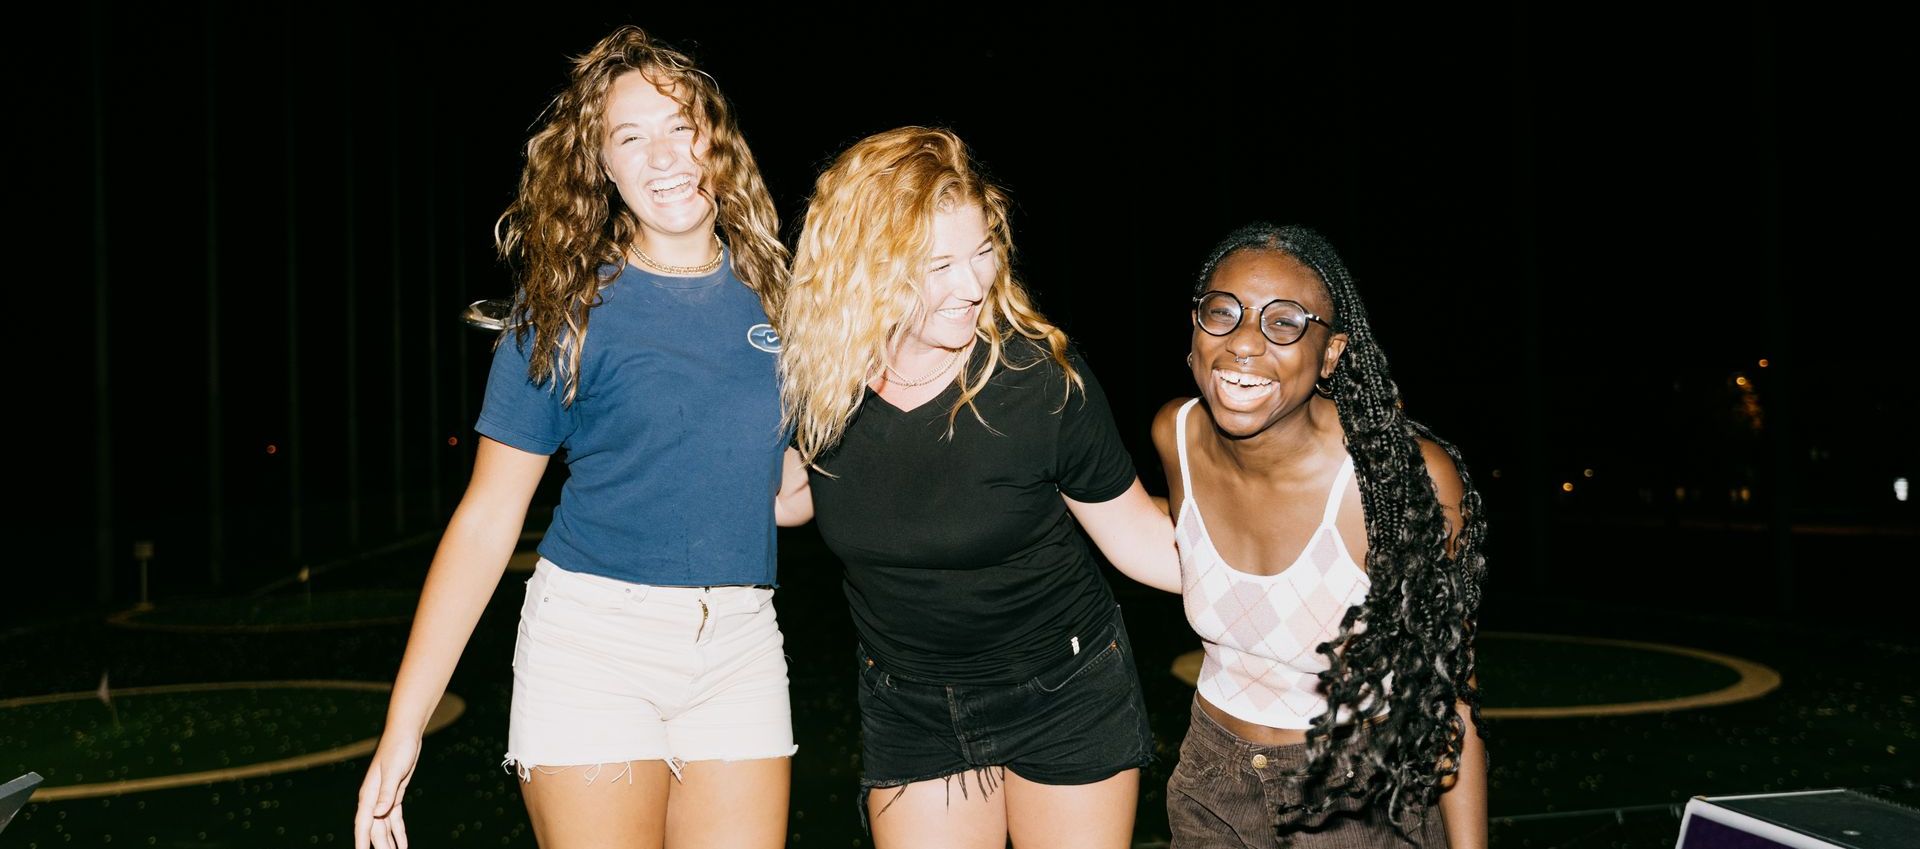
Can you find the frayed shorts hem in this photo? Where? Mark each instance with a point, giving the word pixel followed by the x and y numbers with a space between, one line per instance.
pixel 526 767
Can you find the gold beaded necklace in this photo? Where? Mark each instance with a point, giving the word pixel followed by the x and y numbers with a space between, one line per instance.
pixel 904 381
pixel 718 252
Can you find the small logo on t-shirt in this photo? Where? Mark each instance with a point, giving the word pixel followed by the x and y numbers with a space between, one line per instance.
pixel 764 337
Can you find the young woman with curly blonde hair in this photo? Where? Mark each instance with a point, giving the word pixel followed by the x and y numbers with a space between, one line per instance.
pixel 954 440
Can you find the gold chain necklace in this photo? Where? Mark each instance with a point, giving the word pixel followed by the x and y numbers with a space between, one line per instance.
pixel 905 381
pixel 718 252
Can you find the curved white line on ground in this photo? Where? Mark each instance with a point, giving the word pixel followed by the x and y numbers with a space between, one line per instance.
pixel 449 709
pixel 1756 680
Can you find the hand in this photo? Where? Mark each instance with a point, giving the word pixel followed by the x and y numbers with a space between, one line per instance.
pixel 377 823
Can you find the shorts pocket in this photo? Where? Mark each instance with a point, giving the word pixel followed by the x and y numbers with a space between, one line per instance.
pixel 1100 650
pixel 871 678
pixel 587 592
pixel 752 600
pixel 529 616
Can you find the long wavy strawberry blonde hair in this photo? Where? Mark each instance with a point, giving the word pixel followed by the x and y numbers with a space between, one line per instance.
pixel 855 291
pixel 566 232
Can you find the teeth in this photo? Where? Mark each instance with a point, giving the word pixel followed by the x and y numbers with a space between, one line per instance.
pixel 669 184
pixel 1241 379
pixel 1239 390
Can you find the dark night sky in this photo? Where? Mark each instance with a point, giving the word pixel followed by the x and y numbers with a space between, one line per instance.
pixel 1557 217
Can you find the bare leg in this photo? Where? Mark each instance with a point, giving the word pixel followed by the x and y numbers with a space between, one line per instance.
pixel 1076 816
pixel 726 804
pixel 624 806
pixel 934 814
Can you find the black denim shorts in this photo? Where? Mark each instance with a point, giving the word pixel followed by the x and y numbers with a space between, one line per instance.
pixel 1080 722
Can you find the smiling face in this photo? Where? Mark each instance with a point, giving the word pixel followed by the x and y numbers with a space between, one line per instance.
pixel 958 275
pixel 1249 382
pixel 652 151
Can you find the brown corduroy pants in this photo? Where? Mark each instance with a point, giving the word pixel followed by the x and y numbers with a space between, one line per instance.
pixel 1227 792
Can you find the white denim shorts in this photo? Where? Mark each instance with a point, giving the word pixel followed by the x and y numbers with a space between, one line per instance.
pixel 608 672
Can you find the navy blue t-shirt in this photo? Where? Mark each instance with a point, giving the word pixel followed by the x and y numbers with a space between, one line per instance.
pixel 673 443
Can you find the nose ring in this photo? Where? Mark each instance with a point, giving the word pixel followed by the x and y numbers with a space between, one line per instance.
pixel 1243 360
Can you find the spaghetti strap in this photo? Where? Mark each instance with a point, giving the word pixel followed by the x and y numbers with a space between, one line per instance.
pixel 1180 438
pixel 1333 498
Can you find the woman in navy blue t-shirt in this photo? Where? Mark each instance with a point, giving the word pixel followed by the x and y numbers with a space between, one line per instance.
pixel 650 691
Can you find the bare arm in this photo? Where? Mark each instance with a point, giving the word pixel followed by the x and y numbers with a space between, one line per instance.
pixel 1166 443
pixel 466 569
pixel 794 505
pixel 1135 535
pixel 1463 805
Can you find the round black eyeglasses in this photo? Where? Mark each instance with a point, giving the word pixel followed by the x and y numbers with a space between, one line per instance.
pixel 1283 322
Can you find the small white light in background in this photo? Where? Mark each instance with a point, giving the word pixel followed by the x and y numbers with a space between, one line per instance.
pixel 1900 489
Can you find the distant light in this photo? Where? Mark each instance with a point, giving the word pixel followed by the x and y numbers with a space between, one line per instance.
pixel 1679 493
pixel 272 448
pixel 305 575
pixel 1740 380
pixel 1900 489
pixel 1746 495
pixel 1587 473
pixel 453 440
pixel 1496 474
pixel 1763 363
pixel 1567 487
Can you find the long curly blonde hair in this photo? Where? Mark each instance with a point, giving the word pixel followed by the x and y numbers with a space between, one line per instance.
pixel 857 273
pixel 568 225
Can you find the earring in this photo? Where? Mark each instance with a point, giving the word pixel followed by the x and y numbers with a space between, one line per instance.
pixel 1324 388
pixel 1189 359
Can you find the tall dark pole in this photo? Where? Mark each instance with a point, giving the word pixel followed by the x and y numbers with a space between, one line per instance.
pixel 295 447
pixel 435 317
pixel 1779 384
pixel 394 286
pixel 1533 482
pixel 465 339
pixel 350 318
pixel 102 406
pixel 216 471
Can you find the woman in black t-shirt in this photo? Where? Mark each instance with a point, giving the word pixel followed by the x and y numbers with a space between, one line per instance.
pixel 954 439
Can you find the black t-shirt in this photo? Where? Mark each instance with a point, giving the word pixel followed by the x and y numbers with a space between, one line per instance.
pixel 963 564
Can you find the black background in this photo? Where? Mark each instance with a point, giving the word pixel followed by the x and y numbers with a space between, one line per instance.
pixel 1575 229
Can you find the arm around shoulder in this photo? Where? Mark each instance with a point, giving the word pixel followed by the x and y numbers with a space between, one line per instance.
pixel 1135 534
pixel 793 505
